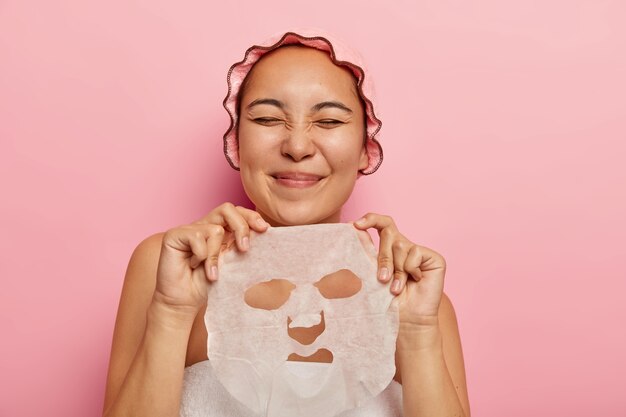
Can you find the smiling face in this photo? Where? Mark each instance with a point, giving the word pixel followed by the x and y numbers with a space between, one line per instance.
pixel 301 132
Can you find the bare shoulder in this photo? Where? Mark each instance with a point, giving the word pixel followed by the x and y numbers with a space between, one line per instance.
pixel 130 322
pixel 141 272
pixel 146 254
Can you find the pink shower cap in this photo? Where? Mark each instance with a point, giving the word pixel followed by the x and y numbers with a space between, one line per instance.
pixel 339 53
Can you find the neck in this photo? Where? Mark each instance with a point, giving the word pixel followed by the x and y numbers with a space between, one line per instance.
pixel 333 218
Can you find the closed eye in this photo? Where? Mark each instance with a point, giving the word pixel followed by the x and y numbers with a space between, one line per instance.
pixel 265 120
pixel 330 122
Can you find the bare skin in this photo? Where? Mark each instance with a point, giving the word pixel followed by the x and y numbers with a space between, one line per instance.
pixel 160 329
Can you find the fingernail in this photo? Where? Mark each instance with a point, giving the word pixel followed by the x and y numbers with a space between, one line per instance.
pixel 213 273
pixel 360 221
pixel 383 274
pixel 395 287
pixel 245 242
pixel 262 223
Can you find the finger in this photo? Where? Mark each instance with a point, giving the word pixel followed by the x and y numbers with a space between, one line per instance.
pixel 413 262
pixel 182 241
pixel 385 257
pixel 238 220
pixel 196 240
pixel 215 216
pixel 400 249
pixel 386 231
pixel 254 219
pixel 377 221
pixel 214 245
pixel 234 221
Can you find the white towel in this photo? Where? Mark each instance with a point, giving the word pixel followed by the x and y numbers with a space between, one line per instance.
pixel 204 396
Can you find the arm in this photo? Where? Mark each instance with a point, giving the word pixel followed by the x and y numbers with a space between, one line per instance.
pixel 149 344
pixel 430 361
pixel 165 288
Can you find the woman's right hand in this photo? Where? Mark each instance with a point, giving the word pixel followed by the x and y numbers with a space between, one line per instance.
pixel 189 255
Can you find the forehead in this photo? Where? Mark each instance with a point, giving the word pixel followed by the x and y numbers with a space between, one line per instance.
pixel 296 69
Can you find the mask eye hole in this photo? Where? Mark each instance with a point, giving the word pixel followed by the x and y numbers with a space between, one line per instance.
pixel 269 295
pixel 341 284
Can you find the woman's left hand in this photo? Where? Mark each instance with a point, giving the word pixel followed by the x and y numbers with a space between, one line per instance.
pixel 419 296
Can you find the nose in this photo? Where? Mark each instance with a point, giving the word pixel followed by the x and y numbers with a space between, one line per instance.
pixel 306 333
pixel 298 143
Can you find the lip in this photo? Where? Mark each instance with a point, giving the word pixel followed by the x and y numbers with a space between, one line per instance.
pixel 296 179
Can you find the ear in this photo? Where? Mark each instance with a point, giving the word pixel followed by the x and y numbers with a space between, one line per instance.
pixel 364 158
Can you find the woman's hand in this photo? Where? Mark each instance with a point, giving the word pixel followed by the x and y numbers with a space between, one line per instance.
pixel 189 255
pixel 398 258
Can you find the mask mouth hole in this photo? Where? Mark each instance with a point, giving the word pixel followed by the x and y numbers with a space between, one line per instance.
pixel 321 355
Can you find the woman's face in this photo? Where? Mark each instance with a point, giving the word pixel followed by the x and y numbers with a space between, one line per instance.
pixel 301 132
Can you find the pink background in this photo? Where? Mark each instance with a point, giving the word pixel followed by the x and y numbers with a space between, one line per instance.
pixel 504 126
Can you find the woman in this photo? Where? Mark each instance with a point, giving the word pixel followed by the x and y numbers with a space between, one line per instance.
pixel 302 133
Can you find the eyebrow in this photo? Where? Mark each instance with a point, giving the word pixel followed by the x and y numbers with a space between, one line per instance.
pixel 331 104
pixel 269 101
pixel 315 108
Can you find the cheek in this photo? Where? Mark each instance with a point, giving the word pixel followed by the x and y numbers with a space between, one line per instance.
pixel 256 143
pixel 246 143
pixel 341 155
pixel 343 147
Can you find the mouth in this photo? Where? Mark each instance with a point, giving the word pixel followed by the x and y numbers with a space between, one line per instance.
pixel 320 355
pixel 296 179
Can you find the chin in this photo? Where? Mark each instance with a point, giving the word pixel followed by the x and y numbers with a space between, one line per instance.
pixel 297 220
pixel 289 215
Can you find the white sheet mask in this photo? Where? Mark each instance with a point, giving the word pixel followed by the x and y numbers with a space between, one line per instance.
pixel 324 276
